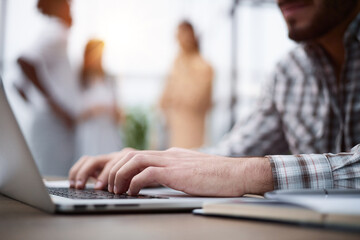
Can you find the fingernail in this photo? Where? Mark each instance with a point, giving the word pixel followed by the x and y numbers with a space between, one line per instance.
pixel 98 185
pixel 72 183
pixel 109 188
pixel 115 190
pixel 79 183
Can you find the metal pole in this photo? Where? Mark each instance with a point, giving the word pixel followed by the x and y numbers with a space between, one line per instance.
pixel 3 6
pixel 234 81
pixel 234 64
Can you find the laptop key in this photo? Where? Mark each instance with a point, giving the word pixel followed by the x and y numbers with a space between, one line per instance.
pixel 94 194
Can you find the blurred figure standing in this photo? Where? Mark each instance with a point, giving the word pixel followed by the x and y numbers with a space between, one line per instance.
pixel 187 94
pixel 48 85
pixel 97 129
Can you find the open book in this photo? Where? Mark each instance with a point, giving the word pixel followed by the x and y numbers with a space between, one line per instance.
pixel 301 206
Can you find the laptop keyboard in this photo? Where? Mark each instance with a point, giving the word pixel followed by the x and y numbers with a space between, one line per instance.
pixel 93 194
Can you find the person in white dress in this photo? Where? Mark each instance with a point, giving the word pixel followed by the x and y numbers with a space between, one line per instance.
pixel 50 87
pixel 97 130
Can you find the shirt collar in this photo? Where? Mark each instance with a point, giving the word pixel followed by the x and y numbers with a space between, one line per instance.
pixel 353 31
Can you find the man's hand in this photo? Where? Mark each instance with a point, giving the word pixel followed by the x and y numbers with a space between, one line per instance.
pixel 97 167
pixel 184 170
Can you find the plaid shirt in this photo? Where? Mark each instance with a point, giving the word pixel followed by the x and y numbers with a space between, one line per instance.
pixel 303 111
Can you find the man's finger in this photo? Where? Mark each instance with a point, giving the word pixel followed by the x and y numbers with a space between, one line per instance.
pixel 102 179
pixel 124 158
pixel 87 169
pixel 119 163
pixel 74 170
pixel 122 176
pixel 147 177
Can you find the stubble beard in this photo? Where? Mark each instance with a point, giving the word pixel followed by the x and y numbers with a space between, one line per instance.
pixel 328 17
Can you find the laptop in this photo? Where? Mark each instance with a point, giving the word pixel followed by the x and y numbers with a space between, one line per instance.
pixel 20 179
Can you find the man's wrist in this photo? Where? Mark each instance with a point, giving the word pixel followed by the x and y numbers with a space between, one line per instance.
pixel 258 175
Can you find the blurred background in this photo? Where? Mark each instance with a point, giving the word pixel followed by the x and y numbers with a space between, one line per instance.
pixel 240 40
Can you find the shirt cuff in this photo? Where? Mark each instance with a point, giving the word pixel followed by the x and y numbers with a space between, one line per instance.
pixel 301 171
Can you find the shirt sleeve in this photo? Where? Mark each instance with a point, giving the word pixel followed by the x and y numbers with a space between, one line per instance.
pixel 317 171
pixel 261 134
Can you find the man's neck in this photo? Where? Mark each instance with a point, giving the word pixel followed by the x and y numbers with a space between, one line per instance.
pixel 333 44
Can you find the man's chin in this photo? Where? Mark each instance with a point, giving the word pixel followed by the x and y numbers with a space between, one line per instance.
pixel 305 35
pixel 298 37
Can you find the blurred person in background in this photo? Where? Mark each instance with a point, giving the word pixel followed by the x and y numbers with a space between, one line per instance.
pixel 97 130
pixel 187 95
pixel 49 86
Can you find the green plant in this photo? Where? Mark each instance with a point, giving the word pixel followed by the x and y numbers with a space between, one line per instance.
pixel 135 129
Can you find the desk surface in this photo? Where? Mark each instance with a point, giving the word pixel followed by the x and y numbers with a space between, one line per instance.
pixel 19 221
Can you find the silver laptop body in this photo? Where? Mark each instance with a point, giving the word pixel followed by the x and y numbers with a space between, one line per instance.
pixel 20 179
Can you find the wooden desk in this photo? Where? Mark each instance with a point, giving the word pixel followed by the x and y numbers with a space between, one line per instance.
pixel 19 221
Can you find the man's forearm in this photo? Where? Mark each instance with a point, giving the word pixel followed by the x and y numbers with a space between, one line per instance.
pixel 258 175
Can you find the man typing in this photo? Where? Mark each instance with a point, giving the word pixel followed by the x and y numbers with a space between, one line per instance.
pixel 311 107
